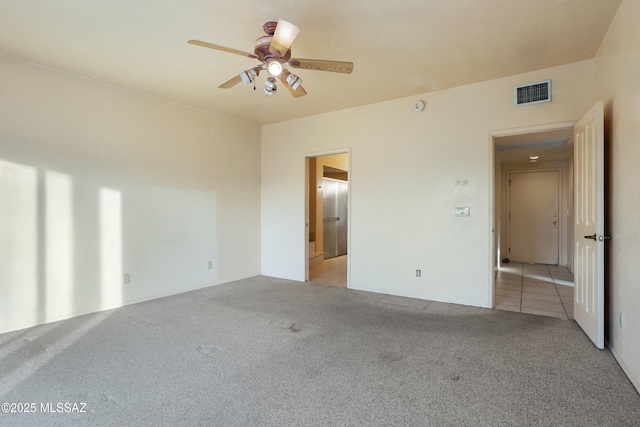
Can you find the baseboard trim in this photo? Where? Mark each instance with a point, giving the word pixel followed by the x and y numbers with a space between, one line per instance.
pixel 632 378
pixel 98 309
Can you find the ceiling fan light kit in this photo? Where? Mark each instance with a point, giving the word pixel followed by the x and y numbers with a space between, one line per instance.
pixel 270 87
pixel 294 81
pixel 274 67
pixel 248 76
pixel 283 37
pixel 274 51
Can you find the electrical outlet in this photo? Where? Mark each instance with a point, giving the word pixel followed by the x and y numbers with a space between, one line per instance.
pixel 210 265
pixel 126 278
pixel 418 273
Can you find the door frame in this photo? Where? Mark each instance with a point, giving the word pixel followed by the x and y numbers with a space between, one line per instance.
pixel 561 197
pixel 494 218
pixel 308 156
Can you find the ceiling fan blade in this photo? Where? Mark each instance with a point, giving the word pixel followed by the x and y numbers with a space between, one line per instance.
pixel 231 82
pixel 322 65
pixel 297 93
pixel 222 48
pixel 283 38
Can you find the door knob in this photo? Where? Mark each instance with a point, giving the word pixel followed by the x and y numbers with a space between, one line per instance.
pixel 603 238
pixel 594 237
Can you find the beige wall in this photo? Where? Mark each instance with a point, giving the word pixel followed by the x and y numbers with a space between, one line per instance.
pixel 618 85
pixel 440 158
pixel 96 182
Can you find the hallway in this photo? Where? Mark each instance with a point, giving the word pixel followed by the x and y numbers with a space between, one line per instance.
pixel 333 272
pixel 545 290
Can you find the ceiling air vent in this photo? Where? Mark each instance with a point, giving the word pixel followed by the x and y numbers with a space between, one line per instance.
pixel 532 93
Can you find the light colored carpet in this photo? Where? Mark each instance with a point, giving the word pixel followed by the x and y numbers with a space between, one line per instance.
pixel 271 352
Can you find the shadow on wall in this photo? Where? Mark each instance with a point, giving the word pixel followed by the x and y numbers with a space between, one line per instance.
pixel 68 247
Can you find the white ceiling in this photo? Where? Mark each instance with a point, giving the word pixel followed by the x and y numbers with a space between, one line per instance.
pixel 399 47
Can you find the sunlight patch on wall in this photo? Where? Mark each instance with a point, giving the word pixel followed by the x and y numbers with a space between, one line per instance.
pixel 18 243
pixel 111 247
pixel 59 280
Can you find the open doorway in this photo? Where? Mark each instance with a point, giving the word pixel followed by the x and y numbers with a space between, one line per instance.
pixel 327 210
pixel 533 251
pixel 533 211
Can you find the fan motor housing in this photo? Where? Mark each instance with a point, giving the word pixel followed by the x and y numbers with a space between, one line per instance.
pixel 261 50
pixel 270 27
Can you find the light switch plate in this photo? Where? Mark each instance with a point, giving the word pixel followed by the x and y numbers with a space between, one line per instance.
pixel 463 211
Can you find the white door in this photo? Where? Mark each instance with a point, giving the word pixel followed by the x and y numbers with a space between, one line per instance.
pixel 588 304
pixel 534 199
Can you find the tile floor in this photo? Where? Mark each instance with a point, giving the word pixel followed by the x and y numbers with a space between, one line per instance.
pixel 333 272
pixel 545 290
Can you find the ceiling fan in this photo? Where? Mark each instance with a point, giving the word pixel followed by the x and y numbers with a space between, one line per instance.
pixel 273 51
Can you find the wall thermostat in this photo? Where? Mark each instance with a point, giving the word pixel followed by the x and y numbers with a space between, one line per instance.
pixel 418 106
pixel 463 211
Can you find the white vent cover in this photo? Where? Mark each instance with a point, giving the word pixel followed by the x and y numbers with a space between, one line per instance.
pixel 532 93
